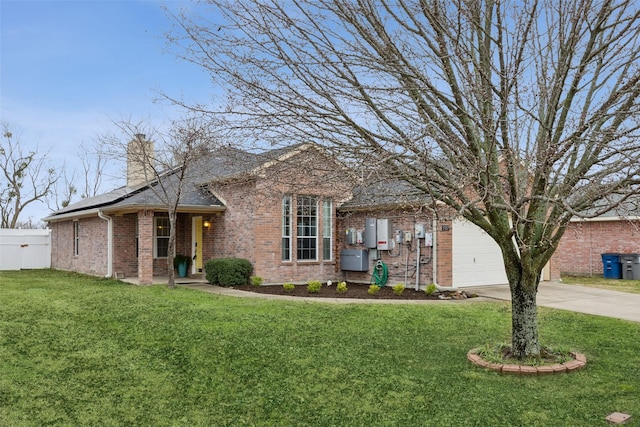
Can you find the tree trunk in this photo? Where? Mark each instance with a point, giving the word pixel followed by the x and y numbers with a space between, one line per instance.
pixel 172 248
pixel 524 320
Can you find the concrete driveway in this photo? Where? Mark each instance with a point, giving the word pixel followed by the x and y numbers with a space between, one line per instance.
pixel 581 299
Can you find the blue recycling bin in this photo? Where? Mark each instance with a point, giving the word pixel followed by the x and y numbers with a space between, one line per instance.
pixel 611 266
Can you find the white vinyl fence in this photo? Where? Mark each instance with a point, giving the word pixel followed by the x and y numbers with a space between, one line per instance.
pixel 25 249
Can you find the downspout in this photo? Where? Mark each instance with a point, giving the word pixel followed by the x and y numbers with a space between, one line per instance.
pixel 109 243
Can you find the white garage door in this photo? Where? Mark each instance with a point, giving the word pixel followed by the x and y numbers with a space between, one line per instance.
pixel 477 259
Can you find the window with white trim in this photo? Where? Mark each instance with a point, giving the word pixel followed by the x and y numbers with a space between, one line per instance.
pixel 286 228
pixel 161 230
pixel 307 228
pixel 76 238
pixel 327 230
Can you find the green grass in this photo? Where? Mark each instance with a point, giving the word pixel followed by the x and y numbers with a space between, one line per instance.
pixel 76 350
pixel 620 285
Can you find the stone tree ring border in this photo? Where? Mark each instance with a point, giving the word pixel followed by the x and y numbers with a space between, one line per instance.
pixel 578 361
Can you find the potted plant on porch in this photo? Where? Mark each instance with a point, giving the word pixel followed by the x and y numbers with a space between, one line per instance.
pixel 182 263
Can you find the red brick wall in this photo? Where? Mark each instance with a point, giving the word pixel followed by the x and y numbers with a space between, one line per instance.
pixel 582 244
pixel 61 244
pixel 233 230
pixel 399 260
pixel 145 246
pixel 92 254
pixel 444 236
pixel 251 226
pixel 125 258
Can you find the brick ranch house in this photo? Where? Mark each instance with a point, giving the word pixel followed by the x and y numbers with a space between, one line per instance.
pixel 291 212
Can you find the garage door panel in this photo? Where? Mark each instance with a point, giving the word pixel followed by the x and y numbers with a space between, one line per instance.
pixel 476 257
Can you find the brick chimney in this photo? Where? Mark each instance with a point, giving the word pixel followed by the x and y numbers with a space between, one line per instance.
pixel 139 158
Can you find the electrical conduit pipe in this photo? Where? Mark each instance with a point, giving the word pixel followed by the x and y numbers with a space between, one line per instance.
pixel 417 264
pixel 434 253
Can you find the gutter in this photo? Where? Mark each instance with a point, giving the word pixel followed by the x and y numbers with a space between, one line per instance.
pixel 605 218
pixel 109 243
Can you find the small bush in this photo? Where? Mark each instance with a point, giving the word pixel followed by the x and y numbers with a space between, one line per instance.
pixel 431 289
pixel 341 287
pixel 373 290
pixel 398 289
pixel 228 271
pixel 256 280
pixel 313 286
pixel 288 287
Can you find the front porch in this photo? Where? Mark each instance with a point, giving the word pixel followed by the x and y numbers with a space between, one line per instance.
pixel 141 245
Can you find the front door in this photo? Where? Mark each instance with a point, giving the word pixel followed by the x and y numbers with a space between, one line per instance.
pixel 196 246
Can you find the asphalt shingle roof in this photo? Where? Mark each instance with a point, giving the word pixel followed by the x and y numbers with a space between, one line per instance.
pixel 385 193
pixel 221 164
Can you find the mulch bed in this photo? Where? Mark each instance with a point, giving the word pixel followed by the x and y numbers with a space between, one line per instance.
pixel 356 290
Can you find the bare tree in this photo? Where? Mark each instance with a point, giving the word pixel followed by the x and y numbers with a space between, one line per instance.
pixel 166 161
pixel 62 194
pixel 518 115
pixel 25 179
pixel 93 164
pixel 84 181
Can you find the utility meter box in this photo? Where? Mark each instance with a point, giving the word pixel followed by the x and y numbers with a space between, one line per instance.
pixel 370 235
pixel 351 236
pixel 419 231
pixel 384 235
pixel 354 260
pixel 428 239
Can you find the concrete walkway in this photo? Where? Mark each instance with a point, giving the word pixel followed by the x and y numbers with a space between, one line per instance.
pixel 581 299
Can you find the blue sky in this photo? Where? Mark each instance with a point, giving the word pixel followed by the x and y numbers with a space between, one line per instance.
pixel 68 69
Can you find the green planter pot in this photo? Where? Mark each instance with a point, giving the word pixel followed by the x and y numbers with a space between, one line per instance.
pixel 182 263
pixel 182 269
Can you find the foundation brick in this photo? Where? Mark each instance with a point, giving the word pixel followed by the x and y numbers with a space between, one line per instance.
pixel 511 369
pixel 528 370
pixel 545 370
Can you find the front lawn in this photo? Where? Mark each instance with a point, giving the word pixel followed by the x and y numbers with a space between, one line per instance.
pixel 76 350
pixel 620 285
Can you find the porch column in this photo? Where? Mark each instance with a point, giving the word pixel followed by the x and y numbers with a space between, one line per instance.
pixel 145 247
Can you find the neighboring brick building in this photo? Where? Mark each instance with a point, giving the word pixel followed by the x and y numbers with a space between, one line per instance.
pixel 288 212
pixel 584 241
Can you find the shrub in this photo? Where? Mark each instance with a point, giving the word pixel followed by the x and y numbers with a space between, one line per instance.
pixel 373 290
pixel 398 289
pixel 313 286
pixel 256 280
pixel 228 271
pixel 341 287
pixel 431 289
pixel 289 287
